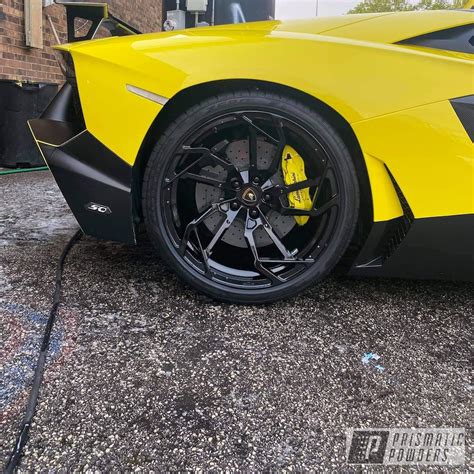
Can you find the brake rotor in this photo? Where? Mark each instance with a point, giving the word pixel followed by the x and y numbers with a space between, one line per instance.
pixel 237 153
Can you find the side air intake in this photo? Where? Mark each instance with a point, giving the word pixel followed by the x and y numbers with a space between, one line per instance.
pixel 464 108
pixel 459 39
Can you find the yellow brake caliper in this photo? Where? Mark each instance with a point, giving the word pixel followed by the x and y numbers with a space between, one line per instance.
pixel 294 172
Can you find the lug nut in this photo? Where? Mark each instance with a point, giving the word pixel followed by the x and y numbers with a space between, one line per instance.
pixel 235 183
pixel 256 180
pixel 234 206
pixel 267 197
pixel 254 213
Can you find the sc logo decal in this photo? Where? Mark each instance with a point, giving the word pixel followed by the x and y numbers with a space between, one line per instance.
pixel 98 208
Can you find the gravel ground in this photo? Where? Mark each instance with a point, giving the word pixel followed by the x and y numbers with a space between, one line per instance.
pixel 146 374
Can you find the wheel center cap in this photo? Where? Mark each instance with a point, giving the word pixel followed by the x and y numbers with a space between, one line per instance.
pixel 250 196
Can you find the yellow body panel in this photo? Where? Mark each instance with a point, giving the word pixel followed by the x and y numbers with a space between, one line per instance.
pixel 348 63
pixel 399 26
pixel 116 117
pixel 385 200
pixel 436 173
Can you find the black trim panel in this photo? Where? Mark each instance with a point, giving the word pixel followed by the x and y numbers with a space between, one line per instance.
pixel 95 182
pixel 464 108
pixel 459 39
pixel 60 108
pixel 88 172
pixel 439 248
pixel 53 132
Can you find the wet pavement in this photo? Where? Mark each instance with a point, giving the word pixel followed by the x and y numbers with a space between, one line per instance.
pixel 144 373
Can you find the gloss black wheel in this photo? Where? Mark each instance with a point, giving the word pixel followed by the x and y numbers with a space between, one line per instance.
pixel 223 215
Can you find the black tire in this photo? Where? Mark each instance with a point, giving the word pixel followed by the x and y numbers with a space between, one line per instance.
pixel 164 211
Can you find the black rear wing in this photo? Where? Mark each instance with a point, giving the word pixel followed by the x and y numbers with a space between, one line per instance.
pixel 86 19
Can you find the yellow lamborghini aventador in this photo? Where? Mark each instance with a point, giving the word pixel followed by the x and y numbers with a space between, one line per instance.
pixel 261 156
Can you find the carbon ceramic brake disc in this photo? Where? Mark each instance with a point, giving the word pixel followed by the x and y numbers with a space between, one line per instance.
pixel 237 153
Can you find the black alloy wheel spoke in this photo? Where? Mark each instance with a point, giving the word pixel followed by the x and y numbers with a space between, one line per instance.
pixel 207 180
pixel 193 225
pixel 280 148
pixel 280 144
pixel 322 181
pixel 221 146
pixel 291 211
pixel 203 253
pixel 289 257
pixel 308 183
pixel 228 221
pixel 205 154
pixel 276 192
pixel 252 125
pixel 253 152
pixel 333 202
pixel 251 225
pixel 275 239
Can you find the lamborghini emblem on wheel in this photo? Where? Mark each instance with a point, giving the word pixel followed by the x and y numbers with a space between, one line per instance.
pixel 254 181
pixel 249 196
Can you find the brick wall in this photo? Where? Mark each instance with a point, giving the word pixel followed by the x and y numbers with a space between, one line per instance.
pixel 19 62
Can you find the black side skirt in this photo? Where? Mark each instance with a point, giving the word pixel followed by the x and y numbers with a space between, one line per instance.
pixel 439 248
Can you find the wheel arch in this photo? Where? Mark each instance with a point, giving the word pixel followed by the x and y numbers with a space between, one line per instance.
pixel 195 94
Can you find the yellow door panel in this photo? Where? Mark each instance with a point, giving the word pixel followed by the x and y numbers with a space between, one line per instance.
pixel 429 154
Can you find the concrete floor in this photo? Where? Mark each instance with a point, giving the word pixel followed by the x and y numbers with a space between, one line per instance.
pixel 146 374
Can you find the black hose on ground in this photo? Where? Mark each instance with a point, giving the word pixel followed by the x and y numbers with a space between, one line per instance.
pixel 40 365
